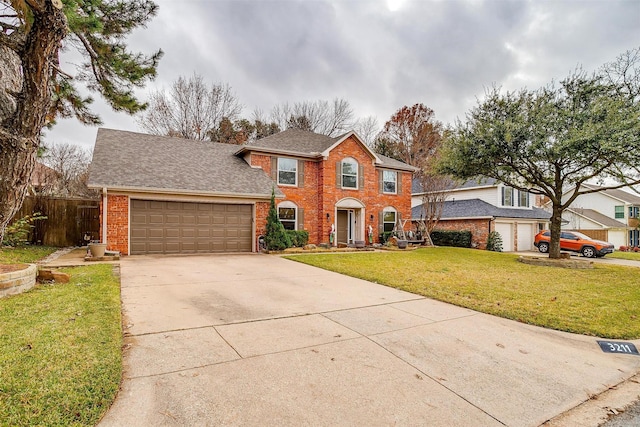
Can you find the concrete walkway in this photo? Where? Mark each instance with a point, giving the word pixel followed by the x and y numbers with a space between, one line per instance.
pixel 261 340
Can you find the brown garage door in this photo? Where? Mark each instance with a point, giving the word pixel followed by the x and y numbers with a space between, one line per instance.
pixel 162 227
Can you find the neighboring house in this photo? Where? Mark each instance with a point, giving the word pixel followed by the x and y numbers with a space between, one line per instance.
pixel 44 180
pixel 171 195
pixel 609 215
pixel 483 206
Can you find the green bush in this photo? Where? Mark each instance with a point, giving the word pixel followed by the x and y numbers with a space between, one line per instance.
pixel 299 238
pixel 276 237
pixel 494 242
pixel 18 232
pixel 384 237
pixel 459 239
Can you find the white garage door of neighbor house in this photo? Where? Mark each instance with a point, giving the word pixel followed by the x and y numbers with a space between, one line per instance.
pixel 505 230
pixel 165 227
pixel 525 237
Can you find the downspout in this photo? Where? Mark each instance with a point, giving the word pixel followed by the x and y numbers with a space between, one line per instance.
pixel 104 214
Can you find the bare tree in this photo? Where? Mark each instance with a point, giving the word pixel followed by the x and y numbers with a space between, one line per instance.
pixel 437 189
pixel 324 117
pixel 190 109
pixel 367 128
pixel 70 164
pixel 412 135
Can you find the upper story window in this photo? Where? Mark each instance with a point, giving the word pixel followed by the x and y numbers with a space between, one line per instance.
pixel 389 182
pixel 507 196
pixel 349 169
pixel 287 171
pixel 634 211
pixel 523 199
pixel 288 214
pixel 619 212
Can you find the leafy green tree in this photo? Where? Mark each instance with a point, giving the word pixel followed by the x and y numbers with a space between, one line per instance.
pixel 552 140
pixel 34 90
pixel 276 237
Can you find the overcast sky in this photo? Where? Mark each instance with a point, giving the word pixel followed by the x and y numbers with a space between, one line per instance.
pixel 377 54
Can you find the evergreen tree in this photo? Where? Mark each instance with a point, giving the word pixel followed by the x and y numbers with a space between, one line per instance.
pixel 276 237
pixel 37 90
pixel 494 242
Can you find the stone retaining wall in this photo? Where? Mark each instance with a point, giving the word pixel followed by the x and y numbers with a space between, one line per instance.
pixel 18 281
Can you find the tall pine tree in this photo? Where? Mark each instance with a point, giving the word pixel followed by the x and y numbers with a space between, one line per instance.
pixel 37 90
pixel 276 237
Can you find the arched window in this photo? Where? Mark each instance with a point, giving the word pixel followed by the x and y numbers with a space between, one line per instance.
pixel 288 215
pixel 349 171
pixel 389 216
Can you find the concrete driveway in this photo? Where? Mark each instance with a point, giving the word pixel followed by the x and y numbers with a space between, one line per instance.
pixel 260 340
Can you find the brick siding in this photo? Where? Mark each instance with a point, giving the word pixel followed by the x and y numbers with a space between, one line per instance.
pixel 479 229
pixel 319 194
pixel 117 223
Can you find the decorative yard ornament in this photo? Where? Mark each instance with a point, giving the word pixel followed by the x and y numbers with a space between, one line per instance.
pixel 370 234
pixel 332 234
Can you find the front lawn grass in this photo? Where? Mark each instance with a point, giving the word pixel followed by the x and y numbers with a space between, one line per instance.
pixel 633 256
pixel 604 301
pixel 60 358
pixel 23 254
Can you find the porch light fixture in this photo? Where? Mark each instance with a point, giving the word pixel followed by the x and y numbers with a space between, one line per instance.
pixel 328 216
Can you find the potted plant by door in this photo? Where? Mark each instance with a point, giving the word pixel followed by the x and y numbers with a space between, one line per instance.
pixel 97 249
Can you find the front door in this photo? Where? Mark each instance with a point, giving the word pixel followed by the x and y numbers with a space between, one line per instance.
pixel 346 225
pixel 342 226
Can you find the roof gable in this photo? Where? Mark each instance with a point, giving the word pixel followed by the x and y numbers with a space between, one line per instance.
pixel 617 194
pixel 135 161
pixel 301 143
pixel 597 217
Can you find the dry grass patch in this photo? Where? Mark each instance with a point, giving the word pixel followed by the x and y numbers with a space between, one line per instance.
pixel 602 301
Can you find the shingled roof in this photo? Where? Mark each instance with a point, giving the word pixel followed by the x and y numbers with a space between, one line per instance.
pixel 617 193
pixel 134 161
pixel 296 142
pixel 597 217
pixel 476 208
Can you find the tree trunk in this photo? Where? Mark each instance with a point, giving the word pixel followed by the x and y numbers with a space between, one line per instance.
pixel 20 129
pixel 556 223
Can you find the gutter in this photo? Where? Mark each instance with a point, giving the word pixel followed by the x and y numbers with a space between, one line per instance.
pixel 186 192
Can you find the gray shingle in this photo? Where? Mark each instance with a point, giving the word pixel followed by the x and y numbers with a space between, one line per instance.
pixel 132 160
pixel 296 141
pixel 476 208
pixel 300 142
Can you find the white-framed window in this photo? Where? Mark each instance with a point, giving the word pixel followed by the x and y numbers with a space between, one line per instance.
pixel 389 182
pixel 288 215
pixel 388 219
pixel 287 171
pixel 507 196
pixel 523 199
pixel 619 212
pixel 634 211
pixel 349 171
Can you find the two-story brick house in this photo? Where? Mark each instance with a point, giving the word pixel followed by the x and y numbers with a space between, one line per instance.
pixel 170 195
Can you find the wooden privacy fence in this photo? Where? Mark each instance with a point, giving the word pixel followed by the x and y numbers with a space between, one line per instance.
pixel 70 222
